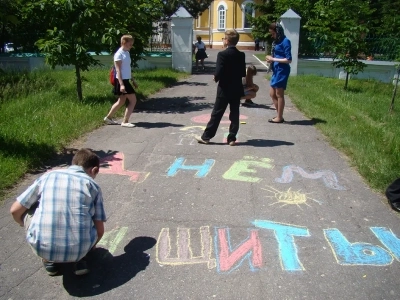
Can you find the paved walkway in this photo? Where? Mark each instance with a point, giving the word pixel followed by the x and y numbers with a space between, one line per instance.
pixel 282 215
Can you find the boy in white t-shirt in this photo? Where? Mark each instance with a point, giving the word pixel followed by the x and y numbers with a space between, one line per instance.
pixel 122 86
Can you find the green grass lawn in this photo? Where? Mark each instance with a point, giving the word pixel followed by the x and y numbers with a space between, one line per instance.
pixel 356 121
pixel 40 113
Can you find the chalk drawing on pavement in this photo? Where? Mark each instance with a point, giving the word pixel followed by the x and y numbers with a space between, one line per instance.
pixel 114 164
pixel 284 234
pixel 350 254
pixel 186 135
pixel 243 169
pixel 184 250
pixel 230 256
pixel 229 259
pixel 179 164
pixel 203 119
pixel 111 239
pixel 289 197
pixel 328 177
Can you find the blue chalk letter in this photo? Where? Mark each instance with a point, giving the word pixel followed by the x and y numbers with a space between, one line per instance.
pixel 287 247
pixel 388 239
pixel 356 253
pixel 202 170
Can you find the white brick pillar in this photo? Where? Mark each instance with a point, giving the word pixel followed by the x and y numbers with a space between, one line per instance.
pixel 182 40
pixel 290 22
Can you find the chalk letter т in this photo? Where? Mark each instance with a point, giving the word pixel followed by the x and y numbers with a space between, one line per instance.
pixel 287 247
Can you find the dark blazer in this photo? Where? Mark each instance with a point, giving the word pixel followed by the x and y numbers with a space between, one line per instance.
pixel 231 67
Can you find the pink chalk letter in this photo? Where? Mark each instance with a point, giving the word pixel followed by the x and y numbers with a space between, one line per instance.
pixel 250 249
pixel 115 164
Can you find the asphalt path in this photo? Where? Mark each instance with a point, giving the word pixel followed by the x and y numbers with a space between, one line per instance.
pixel 282 215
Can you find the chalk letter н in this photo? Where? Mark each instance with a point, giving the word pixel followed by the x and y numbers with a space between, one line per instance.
pixel 287 247
pixel 202 170
pixel 347 253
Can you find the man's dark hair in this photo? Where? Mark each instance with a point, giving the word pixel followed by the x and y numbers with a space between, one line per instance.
pixel 86 158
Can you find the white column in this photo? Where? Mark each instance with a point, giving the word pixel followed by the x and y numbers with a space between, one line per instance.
pixel 182 40
pixel 290 22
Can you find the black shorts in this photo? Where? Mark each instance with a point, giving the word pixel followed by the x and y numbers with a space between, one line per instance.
pixel 128 87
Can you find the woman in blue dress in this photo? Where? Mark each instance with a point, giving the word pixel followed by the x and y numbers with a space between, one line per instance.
pixel 279 60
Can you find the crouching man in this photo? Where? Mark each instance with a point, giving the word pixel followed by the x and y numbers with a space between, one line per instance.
pixel 63 213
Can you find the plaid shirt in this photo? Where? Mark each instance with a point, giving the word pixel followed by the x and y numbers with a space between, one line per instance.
pixel 62 228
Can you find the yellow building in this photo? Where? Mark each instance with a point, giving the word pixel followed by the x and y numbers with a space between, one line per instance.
pixel 222 15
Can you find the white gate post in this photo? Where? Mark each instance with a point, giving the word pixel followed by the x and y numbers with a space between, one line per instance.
pixel 290 22
pixel 182 40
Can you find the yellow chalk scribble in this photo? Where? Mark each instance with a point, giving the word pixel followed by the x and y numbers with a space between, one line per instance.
pixel 289 197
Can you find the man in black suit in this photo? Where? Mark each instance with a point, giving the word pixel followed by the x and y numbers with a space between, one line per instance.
pixel 231 67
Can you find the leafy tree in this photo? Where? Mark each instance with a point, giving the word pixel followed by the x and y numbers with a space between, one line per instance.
pixel 341 26
pixel 76 27
pixel 270 11
pixel 267 15
pixel 8 19
pixel 194 7
pixel 305 9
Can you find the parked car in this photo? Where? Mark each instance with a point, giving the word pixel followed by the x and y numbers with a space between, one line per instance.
pixel 8 47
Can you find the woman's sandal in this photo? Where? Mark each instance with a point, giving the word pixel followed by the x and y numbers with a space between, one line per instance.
pixel 277 122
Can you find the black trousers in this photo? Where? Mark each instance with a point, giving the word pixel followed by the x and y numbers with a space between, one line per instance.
pixel 221 103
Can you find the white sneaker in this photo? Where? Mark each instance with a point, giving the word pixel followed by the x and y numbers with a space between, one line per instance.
pixel 110 121
pixel 129 125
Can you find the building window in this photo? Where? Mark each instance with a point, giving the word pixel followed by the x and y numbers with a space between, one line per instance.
pixel 247 10
pixel 221 17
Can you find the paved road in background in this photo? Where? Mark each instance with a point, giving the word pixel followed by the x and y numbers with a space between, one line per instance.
pixel 282 215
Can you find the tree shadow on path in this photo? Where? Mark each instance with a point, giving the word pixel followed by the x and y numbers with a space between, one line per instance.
pixel 108 272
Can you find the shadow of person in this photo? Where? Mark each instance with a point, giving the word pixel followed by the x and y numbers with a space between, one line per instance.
pixel 108 272
pixel 265 143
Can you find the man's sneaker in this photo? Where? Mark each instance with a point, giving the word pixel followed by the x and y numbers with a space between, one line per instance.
pixel 50 267
pixel 248 103
pixel 200 140
pixel 81 268
pixel 110 121
pixel 232 143
pixel 129 125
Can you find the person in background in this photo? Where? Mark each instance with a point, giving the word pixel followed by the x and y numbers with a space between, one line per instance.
pixel 250 89
pixel 279 60
pixel 201 52
pixel 231 67
pixel 122 86
pixel 257 44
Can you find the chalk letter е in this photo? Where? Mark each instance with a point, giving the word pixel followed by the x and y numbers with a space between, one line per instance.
pixel 202 170
pixel 242 170
pixel 347 253
pixel 287 247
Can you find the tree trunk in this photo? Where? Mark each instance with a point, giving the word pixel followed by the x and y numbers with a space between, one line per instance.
pixel 78 82
pixel 347 81
pixel 395 89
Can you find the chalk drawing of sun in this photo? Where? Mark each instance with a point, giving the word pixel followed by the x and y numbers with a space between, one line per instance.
pixel 289 197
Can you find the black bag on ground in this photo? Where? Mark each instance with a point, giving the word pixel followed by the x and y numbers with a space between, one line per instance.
pixel 393 194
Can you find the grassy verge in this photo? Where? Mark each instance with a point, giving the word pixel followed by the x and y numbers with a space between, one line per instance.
pixel 356 121
pixel 40 113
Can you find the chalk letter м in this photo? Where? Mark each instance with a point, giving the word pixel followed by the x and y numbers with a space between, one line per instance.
pixel 287 247
pixel 347 253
